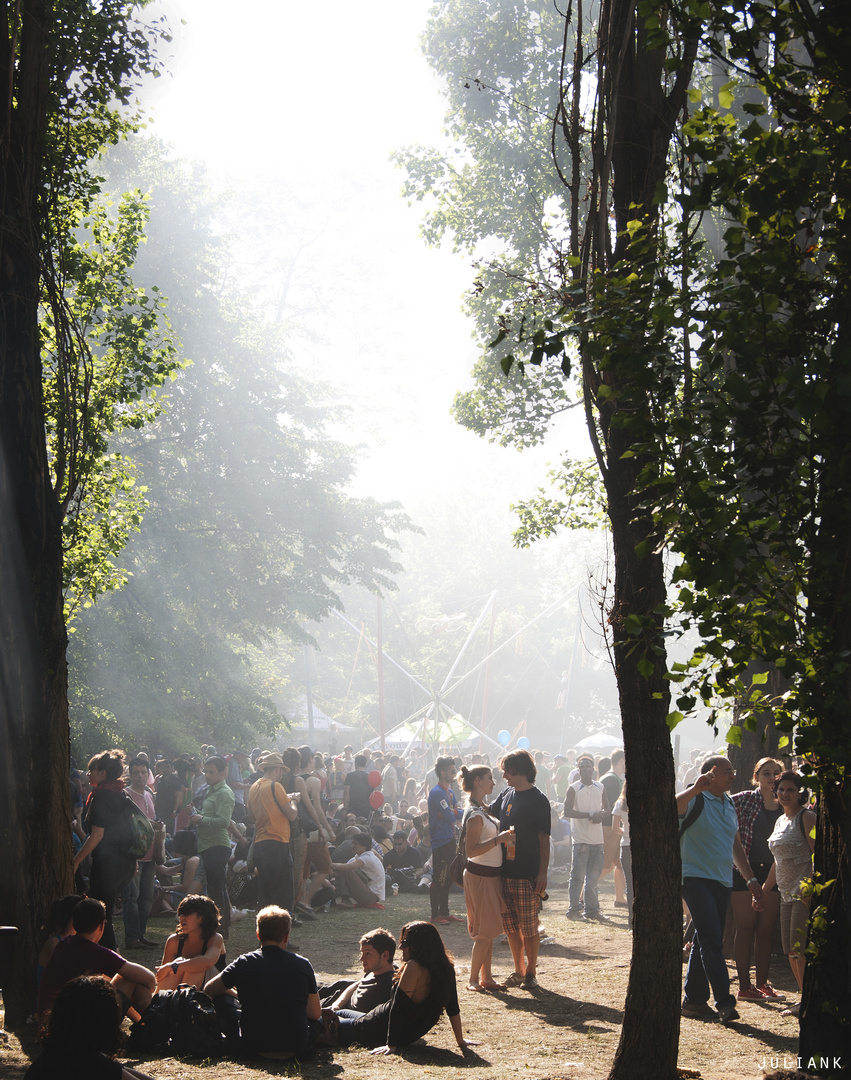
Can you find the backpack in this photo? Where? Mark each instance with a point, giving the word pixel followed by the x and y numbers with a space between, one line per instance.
pixel 695 810
pixel 183 1021
pixel 195 1028
pixel 150 1035
pixel 140 832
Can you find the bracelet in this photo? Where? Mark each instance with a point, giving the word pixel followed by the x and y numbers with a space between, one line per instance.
pixel 750 881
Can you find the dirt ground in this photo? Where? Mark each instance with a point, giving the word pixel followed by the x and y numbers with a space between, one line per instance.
pixel 570 1028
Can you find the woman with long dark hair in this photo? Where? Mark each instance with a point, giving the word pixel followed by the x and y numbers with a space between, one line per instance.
pixel 192 954
pixel 113 864
pixel 423 987
pixel 84 1035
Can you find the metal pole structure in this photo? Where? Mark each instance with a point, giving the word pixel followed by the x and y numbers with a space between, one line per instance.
pixel 308 693
pixel 487 682
pixel 576 637
pixel 380 665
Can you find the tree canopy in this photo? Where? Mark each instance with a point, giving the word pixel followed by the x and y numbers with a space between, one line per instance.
pixel 250 531
pixel 698 288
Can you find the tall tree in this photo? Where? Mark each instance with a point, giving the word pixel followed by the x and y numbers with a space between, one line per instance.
pixel 63 67
pixel 716 386
pixel 627 92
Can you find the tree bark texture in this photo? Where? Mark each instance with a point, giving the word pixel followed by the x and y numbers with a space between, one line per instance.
pixel 638 103
pixel 35 849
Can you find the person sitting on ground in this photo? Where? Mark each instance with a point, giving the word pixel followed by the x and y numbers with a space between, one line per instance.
pixel 61 925
pixel 191 956
pixel 81 954
pixel 187 867
pixel 424 987
pixel 403 866
pixel 277 991
pixel 84 1034
pixel 377 949
pixel 362 877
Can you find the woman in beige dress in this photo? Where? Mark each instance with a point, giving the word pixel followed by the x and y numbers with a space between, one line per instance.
pixel 482 882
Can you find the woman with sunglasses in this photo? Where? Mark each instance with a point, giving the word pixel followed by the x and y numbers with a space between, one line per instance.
pixel 424 986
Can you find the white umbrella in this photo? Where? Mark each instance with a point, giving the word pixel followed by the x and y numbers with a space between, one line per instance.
pixel 600 742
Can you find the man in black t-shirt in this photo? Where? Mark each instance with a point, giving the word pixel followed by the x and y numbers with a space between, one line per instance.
pixel 357 789
pixel 377 949
pixel 277 991
pixel 525 809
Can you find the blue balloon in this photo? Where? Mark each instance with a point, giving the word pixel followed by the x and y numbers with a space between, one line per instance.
pixel 523 744
pixel 504 738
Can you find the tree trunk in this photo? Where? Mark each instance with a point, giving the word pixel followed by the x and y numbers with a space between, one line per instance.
pixel 649 1039
pixel 35 850
pixel 827 982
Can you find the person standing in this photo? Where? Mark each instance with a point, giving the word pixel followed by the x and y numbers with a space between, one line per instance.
pixel 483 843
pixel 273 811
pixel 525 810
pixel 792 844
pixel 586 805
pixel 758 811
pixel 357 790
pixel 212 823
pixel 612 780
pixel 113 865
pixel 710 844
pixel 138 893
pixel 443 812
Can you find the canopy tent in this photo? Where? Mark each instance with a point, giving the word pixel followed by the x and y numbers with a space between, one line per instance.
pixel 600 743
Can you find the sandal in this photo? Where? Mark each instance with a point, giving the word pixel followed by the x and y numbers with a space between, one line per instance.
pixel 514 980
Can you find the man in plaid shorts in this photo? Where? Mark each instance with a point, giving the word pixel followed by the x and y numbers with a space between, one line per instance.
pixel 525 809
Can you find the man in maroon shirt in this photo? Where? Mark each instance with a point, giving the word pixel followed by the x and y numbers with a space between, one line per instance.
pixel 80 954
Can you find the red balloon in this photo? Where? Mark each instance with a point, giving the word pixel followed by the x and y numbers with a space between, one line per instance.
pixel 376 800
pixel 374 778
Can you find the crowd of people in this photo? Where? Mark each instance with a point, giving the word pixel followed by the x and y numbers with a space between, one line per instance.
pixel 294 833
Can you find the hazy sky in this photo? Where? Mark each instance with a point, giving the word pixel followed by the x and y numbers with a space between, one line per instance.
pixel 305 104
pixel 314 99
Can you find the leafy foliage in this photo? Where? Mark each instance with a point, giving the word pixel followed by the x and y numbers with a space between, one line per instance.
pixel 250 531
pixel 106 346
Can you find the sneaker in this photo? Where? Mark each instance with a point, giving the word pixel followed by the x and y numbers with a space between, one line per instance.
pixel 699 1010
pixel 530 983
pixel 598 916
pixel 770 994
pixel 727 1014
pixel 751 993
pixel 576 916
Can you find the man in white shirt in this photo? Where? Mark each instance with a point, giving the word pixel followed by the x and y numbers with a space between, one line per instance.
pixel 586 805
pixel 362 877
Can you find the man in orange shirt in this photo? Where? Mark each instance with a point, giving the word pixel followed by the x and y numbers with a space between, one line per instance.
pixel 273 811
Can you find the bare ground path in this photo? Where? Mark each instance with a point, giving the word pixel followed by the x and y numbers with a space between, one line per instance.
pixel 569 1028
